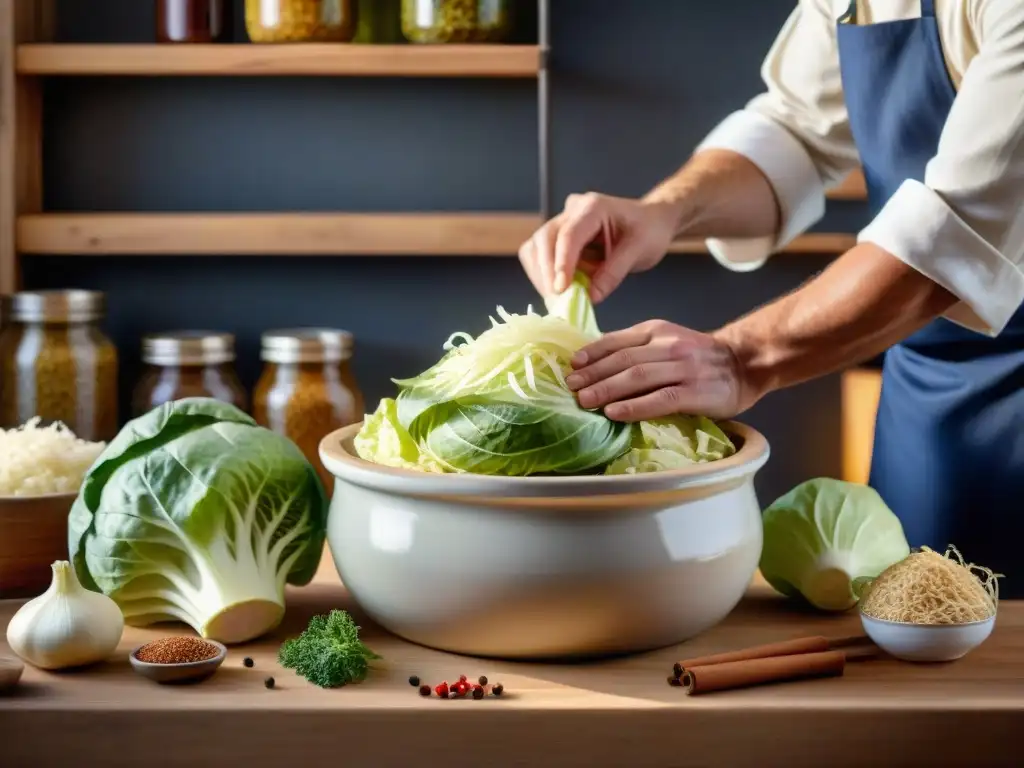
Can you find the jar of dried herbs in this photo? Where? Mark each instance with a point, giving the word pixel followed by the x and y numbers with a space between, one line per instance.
pixel 307 389
pixel 188 364
pixel 379 22
pixel 456 21
pixel 57 364
pixel 301 21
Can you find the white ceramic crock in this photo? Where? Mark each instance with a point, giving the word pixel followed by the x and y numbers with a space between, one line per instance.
pixel 546 566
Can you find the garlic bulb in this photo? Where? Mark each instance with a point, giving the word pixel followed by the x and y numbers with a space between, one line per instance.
pixel 67 625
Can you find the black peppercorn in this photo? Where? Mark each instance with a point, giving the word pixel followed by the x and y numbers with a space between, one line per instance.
pixel 483 680
pixel 269 682
pixel 424 690
pixel 414 681
pixel 677 669
pixel 498 689
pixel 674 681
pixel 247 661
pixel 478 692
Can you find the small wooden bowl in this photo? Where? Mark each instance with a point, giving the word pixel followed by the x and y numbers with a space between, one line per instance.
pixel 189 672
pixel 33 534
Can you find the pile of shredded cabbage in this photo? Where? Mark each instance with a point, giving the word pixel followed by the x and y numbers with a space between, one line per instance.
pixel 498 404
pixel 35 460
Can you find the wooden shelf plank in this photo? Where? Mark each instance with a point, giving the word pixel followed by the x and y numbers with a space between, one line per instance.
pixel 853 187
pixel 305 234
pixel 310 234
pixel 306 59
pixel 824 242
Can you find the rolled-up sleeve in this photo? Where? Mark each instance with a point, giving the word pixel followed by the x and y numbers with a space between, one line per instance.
pixel 964 225
pixel 796 132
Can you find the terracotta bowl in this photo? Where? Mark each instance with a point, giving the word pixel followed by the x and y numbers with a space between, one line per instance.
pixel 544 567
pixel 33 534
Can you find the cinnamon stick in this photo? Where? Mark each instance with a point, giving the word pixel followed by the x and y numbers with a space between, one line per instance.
pixel 776 669
pixel 814 644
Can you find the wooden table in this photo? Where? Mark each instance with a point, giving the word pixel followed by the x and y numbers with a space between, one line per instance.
pixel 612 713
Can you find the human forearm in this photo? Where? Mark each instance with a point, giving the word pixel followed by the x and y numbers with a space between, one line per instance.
pixel 863 303
pixel 719 193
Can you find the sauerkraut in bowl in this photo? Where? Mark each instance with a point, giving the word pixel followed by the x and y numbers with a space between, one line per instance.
pixel 38 460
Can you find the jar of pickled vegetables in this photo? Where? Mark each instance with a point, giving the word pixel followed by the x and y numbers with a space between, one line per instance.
pixel 57 364
pixel 307 389
pixel 191 21
pixel 380 21
pixel 301 21
pixel 188 364
pixel 456 21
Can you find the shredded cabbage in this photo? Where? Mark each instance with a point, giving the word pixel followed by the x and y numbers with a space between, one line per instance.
pixel 498 404
pixel 37 460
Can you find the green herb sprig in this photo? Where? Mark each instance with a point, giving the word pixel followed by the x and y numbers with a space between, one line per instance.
pixel 329 652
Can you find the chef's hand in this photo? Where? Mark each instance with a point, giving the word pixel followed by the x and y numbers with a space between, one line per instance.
pixel 629 235
pixel 657 369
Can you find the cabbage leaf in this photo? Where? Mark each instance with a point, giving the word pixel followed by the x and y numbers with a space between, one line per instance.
pixel 498 404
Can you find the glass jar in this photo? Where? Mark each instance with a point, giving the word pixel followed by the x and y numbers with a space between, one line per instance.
pixel 301 21
pixel 380 21
pixel 307 389
pixel 188 364
pixel 56 363
pixel 455 21
pixel 191 21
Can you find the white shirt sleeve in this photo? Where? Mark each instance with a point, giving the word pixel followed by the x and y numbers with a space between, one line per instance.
pixel 797 132
pixel 964 226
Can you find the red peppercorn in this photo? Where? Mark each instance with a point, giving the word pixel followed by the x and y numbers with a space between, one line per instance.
pixel 442 690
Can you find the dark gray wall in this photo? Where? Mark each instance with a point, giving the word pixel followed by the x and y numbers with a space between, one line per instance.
pixel 635 86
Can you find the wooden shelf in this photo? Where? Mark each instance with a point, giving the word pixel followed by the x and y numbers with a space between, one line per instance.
pixel 813 243
pixel 307 59
pixel 853 188
pixel 299 234
pixel 310 234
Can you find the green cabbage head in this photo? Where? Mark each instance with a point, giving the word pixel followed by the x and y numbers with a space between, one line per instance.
pixel 196 514
pixel 825 534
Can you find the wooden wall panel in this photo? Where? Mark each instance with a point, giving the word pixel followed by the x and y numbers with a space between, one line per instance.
pixel 20 127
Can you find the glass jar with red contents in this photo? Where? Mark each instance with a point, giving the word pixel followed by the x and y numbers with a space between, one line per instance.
pixel 191 21
pixel 188 364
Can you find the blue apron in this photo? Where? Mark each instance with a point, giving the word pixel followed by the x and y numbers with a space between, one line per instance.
pixel 949 441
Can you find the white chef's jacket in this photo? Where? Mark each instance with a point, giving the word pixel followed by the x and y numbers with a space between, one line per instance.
pixel 964 225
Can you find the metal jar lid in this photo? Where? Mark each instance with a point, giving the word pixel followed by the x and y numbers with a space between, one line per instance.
pixel 188 348
pixel 57 306
pixel 306 345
